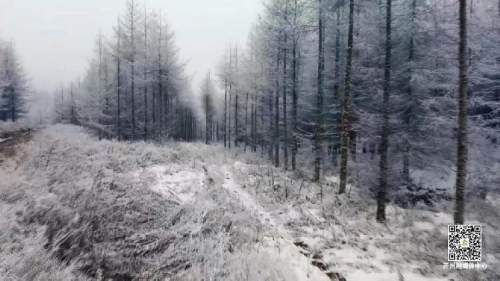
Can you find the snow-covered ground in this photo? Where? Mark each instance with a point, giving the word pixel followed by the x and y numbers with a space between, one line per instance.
pixel 75 208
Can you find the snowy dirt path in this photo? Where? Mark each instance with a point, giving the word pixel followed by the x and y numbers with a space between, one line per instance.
pixel 187 185
pixel 248 201
pixel 277 238
pixel 340 247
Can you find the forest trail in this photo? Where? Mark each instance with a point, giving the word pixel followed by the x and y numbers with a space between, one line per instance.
pixel 328 242
pixel 281 236
pixel 249 203
pixel 190 185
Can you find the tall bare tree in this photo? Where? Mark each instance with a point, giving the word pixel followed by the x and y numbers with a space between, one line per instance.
pixel 118 59
pixel 347 103
pixel 384 145
pixel 318 132
pixel 145 74
pixel 462 150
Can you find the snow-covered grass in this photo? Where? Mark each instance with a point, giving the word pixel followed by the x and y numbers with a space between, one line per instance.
pixel 133 210
pixel 341 229
pixel 73 208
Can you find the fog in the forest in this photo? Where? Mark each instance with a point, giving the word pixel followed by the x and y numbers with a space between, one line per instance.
pixel 55 38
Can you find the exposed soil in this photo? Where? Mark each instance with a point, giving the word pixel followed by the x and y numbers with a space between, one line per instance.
pixel 9 141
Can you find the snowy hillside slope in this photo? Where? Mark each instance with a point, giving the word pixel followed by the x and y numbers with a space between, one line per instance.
pixel 75 208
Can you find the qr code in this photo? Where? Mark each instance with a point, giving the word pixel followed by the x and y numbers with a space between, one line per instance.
pixel 464 242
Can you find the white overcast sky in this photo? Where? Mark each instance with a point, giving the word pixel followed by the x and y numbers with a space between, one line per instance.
pixel 55 38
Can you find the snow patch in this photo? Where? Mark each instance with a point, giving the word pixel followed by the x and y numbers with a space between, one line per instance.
pixel 249 203
pixel 178 185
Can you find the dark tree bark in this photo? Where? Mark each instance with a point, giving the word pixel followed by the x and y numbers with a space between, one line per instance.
pixel 171 100
pixel 145 77
pixel 208 118
pixel 12 105
pixel 159 103
pixel 230 97
pixel 276 138
pixel 336 94
pixel 294 104
pixel 118 86
pixel 295 85
pixel 217 131
pixel 246 122
pixel 132 69
pixel 270 135
pixel 225 112
pixel 262 137
pixel 462 150
pixel 318 134
pixel 347 104
pixel 410 109
pixel 236 120
pixel 285 93
pixel 229 113
pixel 254 125
pixel 236 113
pixel 384 170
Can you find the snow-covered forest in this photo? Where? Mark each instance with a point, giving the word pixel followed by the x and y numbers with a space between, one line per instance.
pixel 339 142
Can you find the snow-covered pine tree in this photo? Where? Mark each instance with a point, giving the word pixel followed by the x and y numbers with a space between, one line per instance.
pixel 13 84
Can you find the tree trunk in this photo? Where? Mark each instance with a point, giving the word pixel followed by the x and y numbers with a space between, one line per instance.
pixel 207 119
pixel 246 122
pixel 384 170
pixel 285 121
pixel 294 105
pixel 13 105
pixel 229 112
pixel 225 113
pixel 145 77
pixel 236 114
pixel 462 150
pixel 168 102
pixel 230 96
pixel 294 91
pixel 336 94
pixel 254 123
pixel 270 136
pixel 318 135
pixel 236 125
pixel 132 74
pixel 160 100
pixel 347 104
pixel 277 115
pixel 262 139
pixel 410 109
pixel 118 88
